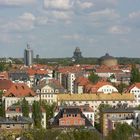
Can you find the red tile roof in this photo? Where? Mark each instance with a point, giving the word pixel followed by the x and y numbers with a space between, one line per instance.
pixel 19 90
pixel 5 84
pixel 132 86
pixel 32 72
pixel 82 81
pixel 93 88
pixel 72 69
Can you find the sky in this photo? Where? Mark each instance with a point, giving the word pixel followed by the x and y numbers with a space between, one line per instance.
pixel 54 28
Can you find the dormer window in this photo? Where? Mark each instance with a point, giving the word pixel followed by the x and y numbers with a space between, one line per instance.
pixel 38 91
pixel 23 87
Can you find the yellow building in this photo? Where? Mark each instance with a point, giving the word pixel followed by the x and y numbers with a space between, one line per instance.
pixel 94 100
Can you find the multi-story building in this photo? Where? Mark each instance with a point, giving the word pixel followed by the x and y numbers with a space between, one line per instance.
pixel 70 117
pixel 16 110
pixel 80 84
pixel 28 56
pixel 94 100
pixel 134 89
pixel 18 123
pixel 86 110
pixel 101 87
pixel 16 93
pixel 111 116
pixel 67 76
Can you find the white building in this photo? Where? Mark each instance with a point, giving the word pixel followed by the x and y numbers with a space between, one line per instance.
pixel 71 78
pixel 101 87
pixel 16 93
pixel 135 89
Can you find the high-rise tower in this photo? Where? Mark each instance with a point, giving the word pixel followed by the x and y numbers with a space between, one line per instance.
pixel 28 56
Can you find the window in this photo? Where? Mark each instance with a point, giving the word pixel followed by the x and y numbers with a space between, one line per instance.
pixel 75 122
pixel 8 126
pixel 62 123
pixel 67 122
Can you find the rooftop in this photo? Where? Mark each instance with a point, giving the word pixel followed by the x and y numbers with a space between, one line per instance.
pixel 96 97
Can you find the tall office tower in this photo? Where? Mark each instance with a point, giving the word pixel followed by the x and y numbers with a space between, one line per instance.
pixel 28 56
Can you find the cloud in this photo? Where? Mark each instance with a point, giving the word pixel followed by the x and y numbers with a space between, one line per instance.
pixel 85 5
pixel 106 13
pixel 61 15
pixel 16 2
pixel 72 37
pixel 119 30
pixel 134 15
pixel 133 19
pixel 78 37
pixel 58 4
pixel 27 17
pixel 24 22
pixel 42 20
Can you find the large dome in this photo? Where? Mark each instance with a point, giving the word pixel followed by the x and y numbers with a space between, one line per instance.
pixel 108 60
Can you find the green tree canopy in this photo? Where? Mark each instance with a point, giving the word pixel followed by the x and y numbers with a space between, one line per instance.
pixel 135 74
pixel 25 108
pixel 122 132
pixel 49 111
pixel 121 87
pixel 1 67
pixel 37 114
pixel 93 77
pixel 103 106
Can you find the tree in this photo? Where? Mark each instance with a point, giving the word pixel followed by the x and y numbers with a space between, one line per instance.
pixel 121 87
pixel 1 67
pixel 49 111
pixel 93 77
pixel 2 109
pixel 79 134
pixel 37 115
pixel 25 108
pixel 101 108
pixel 2 106
pixel 122 132
pixel 135 74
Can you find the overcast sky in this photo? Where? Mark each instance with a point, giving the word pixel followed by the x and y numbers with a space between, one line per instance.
pixel 53 28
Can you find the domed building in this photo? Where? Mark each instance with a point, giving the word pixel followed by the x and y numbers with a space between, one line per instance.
pixel 108 60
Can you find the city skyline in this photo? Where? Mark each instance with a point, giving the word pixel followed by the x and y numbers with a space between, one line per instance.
pixel 95 26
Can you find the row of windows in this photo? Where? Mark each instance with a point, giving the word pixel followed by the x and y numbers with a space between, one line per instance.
pixel 135 91
pixel 103 102
pixel 15 101
pixel 68 122
pixel 47 95
pixel 119 115
pixel 47 91
pixel 137 96
pixel 107 90
pixel 71 115
pixel 89 116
